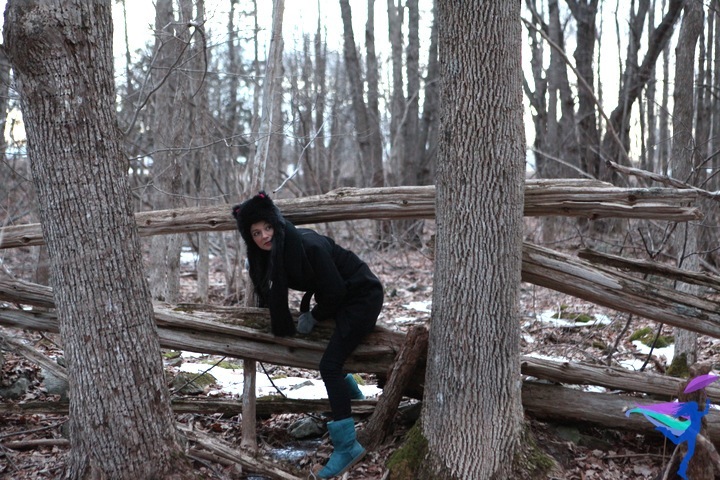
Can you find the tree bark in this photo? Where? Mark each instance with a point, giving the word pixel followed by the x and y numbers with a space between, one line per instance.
pixel 684 157
pixel 473 353
pixel 120 403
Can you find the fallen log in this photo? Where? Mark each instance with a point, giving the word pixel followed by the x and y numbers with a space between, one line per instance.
pixel 614 378
pixel 540 266
pixel 35 443
pixel 667 273
pixel 241 332
pixel 541 401
pixel 33 355
pixel 567 405
pixel 27 293
pixel 233 330
pixel 184 332
pixel 564 197
pixel 374 357
pixel 619 291
pixel 266 406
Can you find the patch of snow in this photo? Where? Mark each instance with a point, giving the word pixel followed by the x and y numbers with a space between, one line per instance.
pixel 230 381
pixel 402 320
pixel 594 388
pixel 419 306
pixel 636 364
pixel 667 352
pixel 188 256
pixel 192 355
pixel 547 317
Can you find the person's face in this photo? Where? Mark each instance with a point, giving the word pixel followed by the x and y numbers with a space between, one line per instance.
pixel 262 234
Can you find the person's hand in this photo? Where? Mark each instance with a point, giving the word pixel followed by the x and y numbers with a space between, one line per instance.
pixel 306 323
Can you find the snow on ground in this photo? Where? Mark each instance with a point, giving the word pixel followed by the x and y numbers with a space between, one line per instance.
pixel 419 306
pixel 230 381
pixel 548 316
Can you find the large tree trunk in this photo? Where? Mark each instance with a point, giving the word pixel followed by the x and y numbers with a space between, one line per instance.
pixel 684 155
pixel 62 55
pixel 472 414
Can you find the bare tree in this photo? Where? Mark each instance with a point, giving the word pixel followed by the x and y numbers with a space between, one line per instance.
pixel 473 354
pixel 367 128
pixel 397 98
pixel 200 163
pixel 614 144
pixel 685 155
pixel 585 13
pixel 429 125
pixel 4 99
pixel 119 402
pixel 169 101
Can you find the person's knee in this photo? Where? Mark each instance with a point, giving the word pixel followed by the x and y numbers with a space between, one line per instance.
pixel 330 370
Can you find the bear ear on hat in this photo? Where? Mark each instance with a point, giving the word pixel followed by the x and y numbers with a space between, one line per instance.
pixel 257 208
pixel 236 211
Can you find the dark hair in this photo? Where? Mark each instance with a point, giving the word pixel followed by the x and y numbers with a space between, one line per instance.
pixel 267 268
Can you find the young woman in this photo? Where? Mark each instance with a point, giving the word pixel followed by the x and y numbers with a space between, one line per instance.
pixel 281 257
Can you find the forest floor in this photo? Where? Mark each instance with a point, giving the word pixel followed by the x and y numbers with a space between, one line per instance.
pixel 582 451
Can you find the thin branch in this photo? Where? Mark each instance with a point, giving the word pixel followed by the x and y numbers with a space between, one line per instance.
pixel 664 179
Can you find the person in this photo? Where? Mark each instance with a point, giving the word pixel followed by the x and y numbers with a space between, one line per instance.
pixel 282 257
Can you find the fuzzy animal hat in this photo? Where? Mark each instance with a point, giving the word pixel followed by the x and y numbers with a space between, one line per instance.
pixel 267 269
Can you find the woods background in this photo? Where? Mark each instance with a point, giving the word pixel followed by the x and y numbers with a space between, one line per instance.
pixel 364 112
pixel 205 117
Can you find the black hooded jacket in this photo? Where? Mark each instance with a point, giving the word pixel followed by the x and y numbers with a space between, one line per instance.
pixel 345 289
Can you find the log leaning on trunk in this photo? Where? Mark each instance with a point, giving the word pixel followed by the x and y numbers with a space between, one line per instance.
pixel 575 198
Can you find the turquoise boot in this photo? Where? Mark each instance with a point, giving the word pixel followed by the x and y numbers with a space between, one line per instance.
pixel 347 451
pixel 355 392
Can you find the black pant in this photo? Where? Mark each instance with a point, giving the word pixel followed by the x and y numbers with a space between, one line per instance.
pixel 340 347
